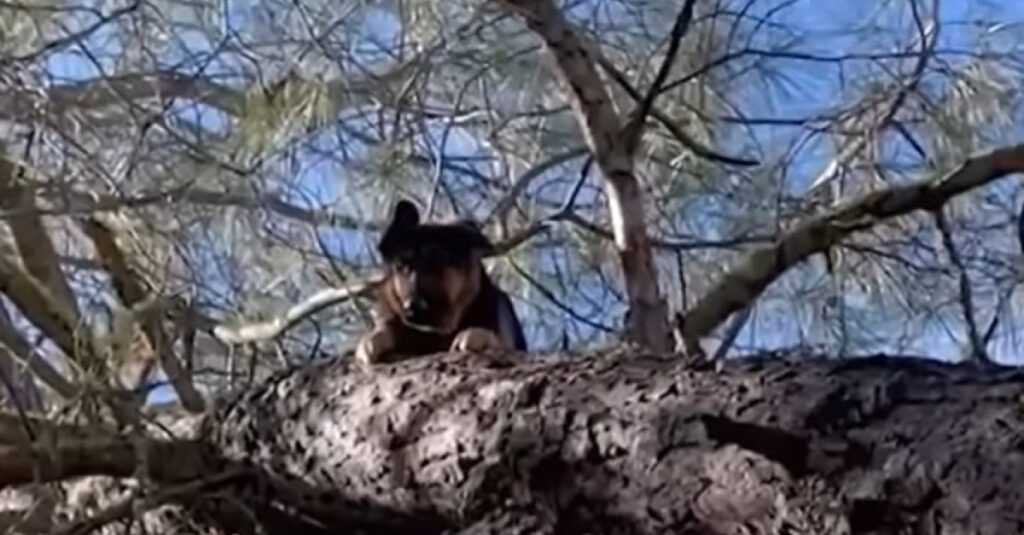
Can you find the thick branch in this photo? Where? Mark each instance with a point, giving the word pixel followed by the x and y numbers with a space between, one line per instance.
pixel 79 203
pixel 647 318
pixel 742 285
pixel 631 443
pixel 166 461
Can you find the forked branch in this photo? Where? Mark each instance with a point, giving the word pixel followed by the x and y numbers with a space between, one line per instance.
pixel 576 64
pixel 633 130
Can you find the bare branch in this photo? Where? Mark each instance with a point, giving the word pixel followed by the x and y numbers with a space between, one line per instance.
pixel 677 132
pixel 745 282
pixel 70 456
pixel 268 330
pixel 27 105
pixel 978 352
pixel 928 37
pixel 633 130
pixel 23 106
pixel 502 207
pixel 648 313
pixel 78 203
pixel 129 287
pixel 65 41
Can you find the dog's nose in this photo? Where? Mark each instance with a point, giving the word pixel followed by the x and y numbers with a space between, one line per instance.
pixel 414 306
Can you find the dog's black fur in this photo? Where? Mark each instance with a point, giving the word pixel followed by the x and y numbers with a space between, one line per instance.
pixel 436 295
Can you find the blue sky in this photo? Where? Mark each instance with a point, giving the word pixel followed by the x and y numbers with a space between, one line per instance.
pixel 810 86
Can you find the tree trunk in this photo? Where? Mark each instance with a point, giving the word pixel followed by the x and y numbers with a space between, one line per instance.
pixel 622 442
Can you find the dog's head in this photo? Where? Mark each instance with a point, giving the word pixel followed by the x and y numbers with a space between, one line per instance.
pixel 434 270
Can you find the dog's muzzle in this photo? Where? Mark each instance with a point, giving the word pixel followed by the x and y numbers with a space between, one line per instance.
pixel 417 314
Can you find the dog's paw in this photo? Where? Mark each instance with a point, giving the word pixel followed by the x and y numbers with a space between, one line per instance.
pixel 475 339
pixel 373 347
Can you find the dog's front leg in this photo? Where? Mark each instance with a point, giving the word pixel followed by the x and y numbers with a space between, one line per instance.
pixel 374 346
pixel 476 339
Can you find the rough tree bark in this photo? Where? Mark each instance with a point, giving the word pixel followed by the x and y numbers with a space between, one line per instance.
pixel 620 442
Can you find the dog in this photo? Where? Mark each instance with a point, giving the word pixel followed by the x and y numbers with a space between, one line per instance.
pixel 435 295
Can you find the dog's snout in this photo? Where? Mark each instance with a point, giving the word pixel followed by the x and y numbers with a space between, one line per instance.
pixel 414 306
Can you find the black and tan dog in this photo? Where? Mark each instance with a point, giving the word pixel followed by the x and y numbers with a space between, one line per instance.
pixel 436 295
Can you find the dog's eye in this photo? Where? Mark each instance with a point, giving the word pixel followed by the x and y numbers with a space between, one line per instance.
pixel 402 265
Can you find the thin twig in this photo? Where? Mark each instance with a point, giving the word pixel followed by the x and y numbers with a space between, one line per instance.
pixel 440 158
pixel 523 181
pixel 731 333
pixel 633 130
pixel 677 132
pixel 564 213
pixel 978 352
pixel 550 296
pixel 990 331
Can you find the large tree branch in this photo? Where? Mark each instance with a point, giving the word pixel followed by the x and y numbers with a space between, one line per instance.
pixel 64 457
pixel 629 443
pixel 622 442
pixel 646 320
pixel 745 282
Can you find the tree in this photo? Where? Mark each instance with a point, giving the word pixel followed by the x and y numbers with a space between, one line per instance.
pixel 187 185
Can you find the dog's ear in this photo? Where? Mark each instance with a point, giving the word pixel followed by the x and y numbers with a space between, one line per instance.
pixel 473 238
pixel 404 219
